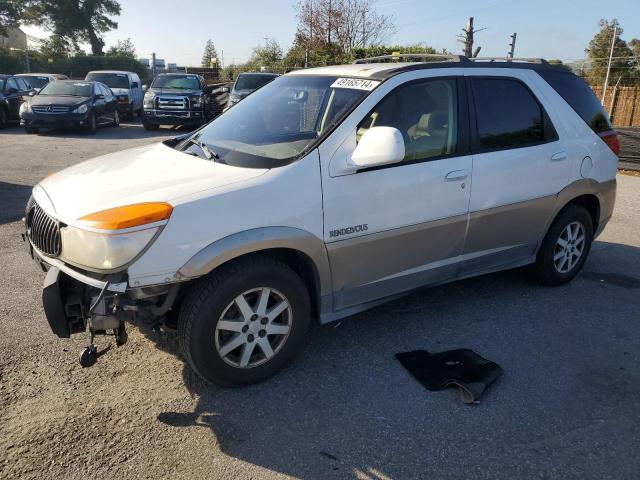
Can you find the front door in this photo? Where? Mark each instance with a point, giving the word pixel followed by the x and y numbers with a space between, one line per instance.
pixel 394 228
pixel 519 166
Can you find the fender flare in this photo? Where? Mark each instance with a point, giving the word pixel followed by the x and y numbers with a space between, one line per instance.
pixel 258 239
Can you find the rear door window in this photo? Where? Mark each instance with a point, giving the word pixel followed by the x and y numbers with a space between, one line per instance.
pixel 575 91
pixel 507 115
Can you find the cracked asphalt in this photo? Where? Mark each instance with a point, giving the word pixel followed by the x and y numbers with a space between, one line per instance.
pixel 567 406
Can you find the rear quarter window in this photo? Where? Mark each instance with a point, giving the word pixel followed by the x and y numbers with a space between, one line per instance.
pixel 575 91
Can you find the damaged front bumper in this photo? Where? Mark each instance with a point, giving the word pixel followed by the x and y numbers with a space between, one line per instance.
pixel 75 301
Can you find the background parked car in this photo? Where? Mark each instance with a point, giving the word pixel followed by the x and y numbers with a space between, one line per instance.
pixel 13 92
pixel 70 103
pixel 39 80
pixel 177 99
pixel 126 87
pixel 247 83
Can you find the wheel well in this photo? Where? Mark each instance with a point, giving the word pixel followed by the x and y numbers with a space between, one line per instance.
pixel 299 263
pixel 592 204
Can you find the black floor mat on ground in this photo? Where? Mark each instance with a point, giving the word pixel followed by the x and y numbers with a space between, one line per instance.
pixel 462 368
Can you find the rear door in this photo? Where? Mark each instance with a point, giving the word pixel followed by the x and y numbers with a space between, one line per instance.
pixel 394 228
pixel 110 103
pixel 519 165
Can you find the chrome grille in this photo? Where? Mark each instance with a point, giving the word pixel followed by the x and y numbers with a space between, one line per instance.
pixel 172 103
pixel 43 231
pixel 49 109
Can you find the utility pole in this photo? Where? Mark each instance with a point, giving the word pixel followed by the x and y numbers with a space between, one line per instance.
pixel 512 45
pixel 266 41
pixel 606 79
pixel 364 30
pixel 153 66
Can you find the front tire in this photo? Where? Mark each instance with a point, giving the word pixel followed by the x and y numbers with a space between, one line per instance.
pixel 92 124
pixel 4 119
pixel 566 246
pixel 150 127
pixel 244 323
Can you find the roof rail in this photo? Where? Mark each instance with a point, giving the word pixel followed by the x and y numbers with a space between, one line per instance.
pixel 441 57
pixel 510 59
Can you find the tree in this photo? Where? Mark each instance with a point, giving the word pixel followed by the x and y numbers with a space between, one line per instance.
pixel 10 14
pixel 270 56
pixel 210 55
pixel 330 29
pixel 599 50
pixel 122 48
pixel 75 20
pixel 55 47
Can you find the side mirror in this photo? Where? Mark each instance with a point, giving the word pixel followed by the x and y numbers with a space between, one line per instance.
pixel 145 88
pixel 135 85
pixel 225 89
pixel 32 93
pixel 378 146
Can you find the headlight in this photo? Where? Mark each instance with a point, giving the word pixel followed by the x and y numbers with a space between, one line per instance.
pixel 114 237
pixel 103 251
pixel 81 109
pixel 196 101
pixel 149 97
pixel 25 107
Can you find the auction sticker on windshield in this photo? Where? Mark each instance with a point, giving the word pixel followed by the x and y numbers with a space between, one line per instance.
pixel 357 83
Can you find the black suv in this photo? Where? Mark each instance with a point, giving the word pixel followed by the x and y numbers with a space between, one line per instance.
pixel 177 99
pixel 13 92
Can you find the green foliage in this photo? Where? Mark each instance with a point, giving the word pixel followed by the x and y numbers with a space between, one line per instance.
pixel 122 48
pixel 376 51
pixel 11 12
pixel 210 53
pixel 270 56
pixel 10 62
pixel 599 49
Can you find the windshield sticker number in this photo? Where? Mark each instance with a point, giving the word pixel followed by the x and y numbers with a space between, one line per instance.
pixel 356 83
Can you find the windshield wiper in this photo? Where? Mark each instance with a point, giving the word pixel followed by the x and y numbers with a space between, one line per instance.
pixel 208 153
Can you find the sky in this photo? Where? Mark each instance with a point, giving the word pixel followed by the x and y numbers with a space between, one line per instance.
pixel 176 30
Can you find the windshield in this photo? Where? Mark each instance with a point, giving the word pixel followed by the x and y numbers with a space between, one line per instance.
pixel 252 82
pixel 111 80
pixel 76 89
pixel 181 82
pixel 36 81
pixel 279 121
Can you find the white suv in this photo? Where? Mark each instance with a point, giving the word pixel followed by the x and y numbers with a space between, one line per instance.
pixel 326 192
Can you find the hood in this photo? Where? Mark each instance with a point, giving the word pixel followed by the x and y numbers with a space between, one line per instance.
pixel 155 173
pixel 120 91
pixel 54 100
pixel 173 91
pixel 241 93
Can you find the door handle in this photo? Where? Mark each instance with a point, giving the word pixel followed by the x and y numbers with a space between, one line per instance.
pixel 456 175
pixel 558 156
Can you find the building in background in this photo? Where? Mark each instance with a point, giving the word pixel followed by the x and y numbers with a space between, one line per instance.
pixel 15 38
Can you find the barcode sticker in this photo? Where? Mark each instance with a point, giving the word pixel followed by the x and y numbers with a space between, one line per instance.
pixel 356 83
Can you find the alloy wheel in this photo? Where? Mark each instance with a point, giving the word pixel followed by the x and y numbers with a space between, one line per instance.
pixel 253 328
pixel 569 247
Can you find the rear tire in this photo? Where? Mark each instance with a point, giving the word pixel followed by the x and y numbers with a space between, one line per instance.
pixel 231 346
pixel 566 246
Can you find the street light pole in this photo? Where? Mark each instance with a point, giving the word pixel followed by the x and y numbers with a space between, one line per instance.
pixel 606 79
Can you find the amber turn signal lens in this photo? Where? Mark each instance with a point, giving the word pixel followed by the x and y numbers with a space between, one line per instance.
pixel 128 216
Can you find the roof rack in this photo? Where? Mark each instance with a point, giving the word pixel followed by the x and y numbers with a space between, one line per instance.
pixel 441 57
pixel 541 61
